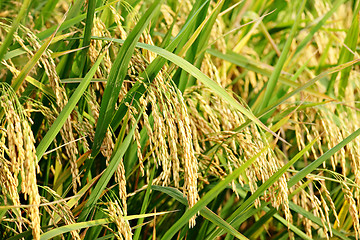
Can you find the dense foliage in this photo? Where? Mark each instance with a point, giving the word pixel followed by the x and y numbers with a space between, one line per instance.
pixel 191 119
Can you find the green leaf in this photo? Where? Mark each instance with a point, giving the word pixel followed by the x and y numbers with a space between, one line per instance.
pixel 42 87
pixel 65 113
pixel 155 66
pixel 346 55
pixel 9 36
pixel 218 90
pixel 116 77
pixel 45 13
pixel 351 41
pixel 279 65
pixel 310 216
pixel 317 27
pixel 263 187
pixel 75 200
pixel 205 212
pixel 73 19
pixel 17 82
pixel 209 196
pixel 144 206
pixel 196 43
pixel 107 175
pixel 88 27
pixel 77 226
pixel 312 166
pixel 299 89
pixel 262 68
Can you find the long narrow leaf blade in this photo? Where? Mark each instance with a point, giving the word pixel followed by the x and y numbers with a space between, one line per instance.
pixel 209 196
pixel 279 65
pixel 312 166
pixel 205 212
pixel 117 75
pixel 7 41
pixel 202 78
pixel 238 213
pixel 105 178
pixel 65 113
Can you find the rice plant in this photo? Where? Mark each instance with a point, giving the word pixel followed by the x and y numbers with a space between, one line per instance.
pixel 192 119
